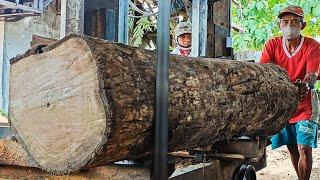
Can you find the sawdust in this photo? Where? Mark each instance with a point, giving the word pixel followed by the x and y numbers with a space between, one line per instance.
pixel 11 153
pixel 279 165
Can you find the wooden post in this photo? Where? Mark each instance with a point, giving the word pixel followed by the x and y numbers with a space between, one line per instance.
pixel 199 27
pixel 2 98
pixel 72 17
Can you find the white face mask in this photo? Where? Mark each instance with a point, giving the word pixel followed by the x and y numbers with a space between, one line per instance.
pixel 290 32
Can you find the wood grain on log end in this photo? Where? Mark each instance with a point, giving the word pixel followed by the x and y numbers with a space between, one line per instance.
pixel 57 96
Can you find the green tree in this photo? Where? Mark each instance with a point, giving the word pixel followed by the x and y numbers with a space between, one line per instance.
pixel 259 21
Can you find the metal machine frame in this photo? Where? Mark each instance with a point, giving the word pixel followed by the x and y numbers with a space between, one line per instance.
pixel 229 156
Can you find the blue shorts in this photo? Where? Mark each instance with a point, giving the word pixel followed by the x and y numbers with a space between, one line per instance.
pixel 303 133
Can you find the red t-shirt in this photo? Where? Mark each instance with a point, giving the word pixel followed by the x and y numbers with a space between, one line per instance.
pixel 304 60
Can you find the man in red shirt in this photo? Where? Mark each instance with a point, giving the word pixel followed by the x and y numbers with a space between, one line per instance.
pixel 300 56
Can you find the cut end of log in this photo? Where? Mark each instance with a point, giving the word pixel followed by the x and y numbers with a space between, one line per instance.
pixel 64 117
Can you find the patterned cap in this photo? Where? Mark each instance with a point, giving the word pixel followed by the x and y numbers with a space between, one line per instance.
pixel 297 10
pixel 183 28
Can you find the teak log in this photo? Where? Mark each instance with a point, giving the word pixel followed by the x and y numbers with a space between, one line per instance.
pixel 86 102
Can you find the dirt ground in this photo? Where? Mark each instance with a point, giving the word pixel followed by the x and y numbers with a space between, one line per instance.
pixel 279 165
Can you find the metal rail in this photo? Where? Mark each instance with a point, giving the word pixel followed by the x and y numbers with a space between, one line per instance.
pixel 161 123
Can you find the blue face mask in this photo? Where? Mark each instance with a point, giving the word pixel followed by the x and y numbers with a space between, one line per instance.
pixel 290 32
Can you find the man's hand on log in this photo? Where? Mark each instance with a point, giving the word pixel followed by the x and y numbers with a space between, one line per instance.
pixel 310 79
pixel 303 88
pixel 306 84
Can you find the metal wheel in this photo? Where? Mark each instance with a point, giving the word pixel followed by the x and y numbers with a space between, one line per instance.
pixel 245 172
pixel 250 173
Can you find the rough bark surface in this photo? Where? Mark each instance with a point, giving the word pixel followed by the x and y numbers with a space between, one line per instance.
pixel 86 102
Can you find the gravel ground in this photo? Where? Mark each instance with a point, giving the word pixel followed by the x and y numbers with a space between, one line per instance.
pixel 279 165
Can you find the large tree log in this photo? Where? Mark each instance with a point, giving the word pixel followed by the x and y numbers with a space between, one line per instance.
pixel 85 102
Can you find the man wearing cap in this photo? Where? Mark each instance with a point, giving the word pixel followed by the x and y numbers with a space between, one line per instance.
pixel 300 56
pixel 183 39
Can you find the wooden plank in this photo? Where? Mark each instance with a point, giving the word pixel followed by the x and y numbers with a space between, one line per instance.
pixel 110 28
pixel 210 31
pixel 101 19
pixel 41 40
pixel 203 28
pixel 222 13
pixel 19 14
pixel 183 154
pixel 225 156
pixel 123 30
pixel 220 34
pixel 101 23
pixel 195 28
pixel 2 67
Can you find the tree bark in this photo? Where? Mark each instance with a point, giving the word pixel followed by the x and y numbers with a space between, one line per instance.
pixel 86 102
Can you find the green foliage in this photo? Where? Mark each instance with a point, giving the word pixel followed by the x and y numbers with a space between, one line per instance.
pixel 2 113
pixel 259 19
pixel 143 25
pixel 317 86
pixel 140 27
pixel 131 20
